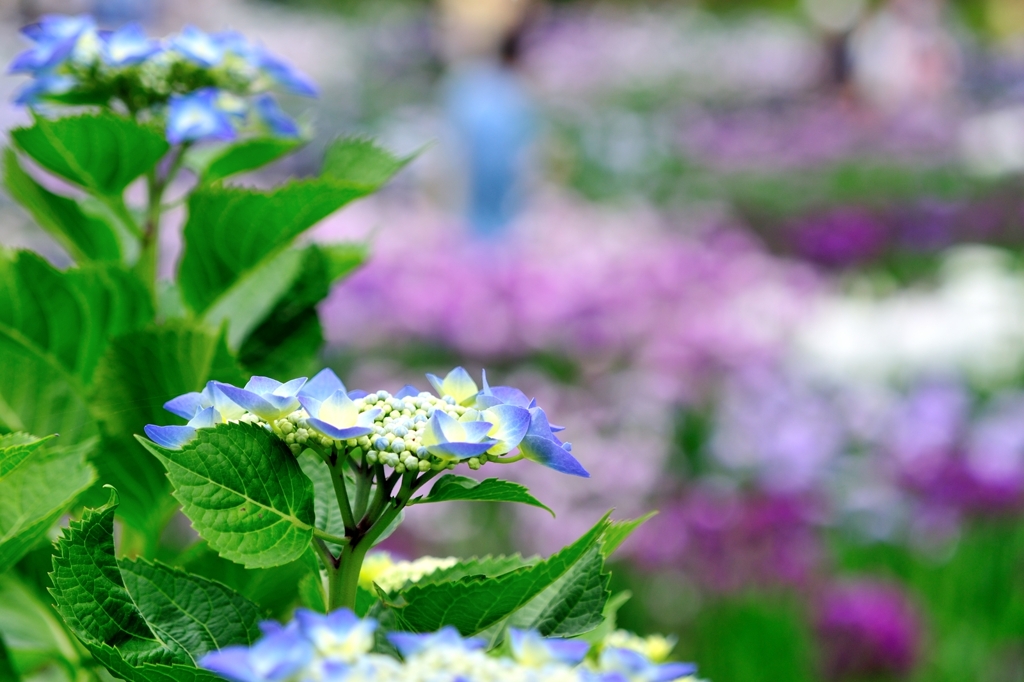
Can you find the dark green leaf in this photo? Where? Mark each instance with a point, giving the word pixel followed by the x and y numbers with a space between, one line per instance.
pixel 197 614
pixel 101 152
pixel 15 449
pixel 36 494
pixel 231 230
pixel 451 487
pixel 328 515
pixel 247 155
pixel 574 604
pixel 287 342
pixel 360 161
pixel 117 662
pixel 7 671
pixel 244 492
pixel 91 597
pixel 472 604
pixel 84 236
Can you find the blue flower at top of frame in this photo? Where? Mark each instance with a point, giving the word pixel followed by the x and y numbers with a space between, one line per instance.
pixel 274 118
pixel 188 405
pixel 407 391
pixel 322 385
pixel 266 398
pixel 542 446
pixel 286 75
pixel 198 46
pixel 510 426
pixel 279 655
pixel 409 644
pixel 502 395
pixel 338 417
pixel 47 84
pixel 198 116
pixel 637 667
pixel 175 437
pixel 451 439
pixel 55 37
pixel 340 635
pixel 128 45
pixel 531 649
pixel 457 385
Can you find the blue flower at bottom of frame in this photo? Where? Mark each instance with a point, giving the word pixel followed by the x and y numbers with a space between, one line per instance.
pixel 410 644
pixel 636 666
pixel 198 116
pixel 451 439
pixel 529 648
pixel 280 654
pixel 338 636
pixel 266 398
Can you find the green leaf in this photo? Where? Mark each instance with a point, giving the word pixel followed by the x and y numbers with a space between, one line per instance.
pixel 144 621
pixel 275 590
pixel 7 671
pixel 15 449
pixel 90 595
pixel 487 567
pixel 84 236
pixel 287 342
pixel 101 152
pixel 36 494
pixel 360 161
pixel 34 635
pixel 328 515
pixel 231 230
pixel 139 373
pixel 472 605
pixel 221 162
pixel 197 614
pixel 451 487
pixel 47 370
pixel 244 492
pixel 618 531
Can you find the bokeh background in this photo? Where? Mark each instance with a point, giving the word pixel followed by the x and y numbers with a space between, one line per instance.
pixel 762 258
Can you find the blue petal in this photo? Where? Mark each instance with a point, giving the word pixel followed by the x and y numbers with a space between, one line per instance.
pixel 437 382
pixel 552 455
pixel 277 122
pixel 287 76
pixel 128 45
pixel 529 644
pixel 185 406
pixel 409 644
pixel 197 46
pixel 290 388
pixel 322 385
pixel 511 425
pixel 540 427
pixel 672 671
pixel 266 407
pixel 196 117
pixel 170 437
pixel 407 391
pixel 459 450
pixel 310 404
pixel 262 385
pixel 357 393
pixel 336 433
pixel 477 431
pixel 205 418
pixel 44 86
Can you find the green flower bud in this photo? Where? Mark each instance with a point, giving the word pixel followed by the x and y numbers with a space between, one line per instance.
pixel 474 463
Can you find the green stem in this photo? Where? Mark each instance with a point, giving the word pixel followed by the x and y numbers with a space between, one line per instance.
pixel 341 492
pixel 363 480
pixel 324 535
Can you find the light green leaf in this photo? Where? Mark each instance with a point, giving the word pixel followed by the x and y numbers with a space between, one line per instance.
pixel 15 449
pixel 360 161
pixel 451 487
pixel 36 494
pixel 231 230
pixel 244 492
pixel 472 605
pixel 197 614
pixel 101 152
pixel 34 635
pixel 117 662
pixel 84 236
pixel 138 374
pixel 217 163
pixel 487 567
pixel 618 531
pixel 47 370
pixel 90 595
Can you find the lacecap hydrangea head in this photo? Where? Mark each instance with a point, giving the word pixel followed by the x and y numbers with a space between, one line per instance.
pixel 411 430
pixel 201 86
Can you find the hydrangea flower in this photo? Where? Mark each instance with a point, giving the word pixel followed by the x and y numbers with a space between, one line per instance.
pixel 339 636
pixel 54 38
pixel 409 644
pixel 198 46
pixel 635 666
pixel 198 116
pixel 530 649
pixel 280 654
pixel 128 45
pixel 412 429
pixel 174 437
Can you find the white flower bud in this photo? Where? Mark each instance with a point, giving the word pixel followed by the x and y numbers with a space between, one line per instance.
pixel 383 395
pixel 382 443
pixel 371 456
pixel 400 431
pixel 286 426
pixel 398 445
pixel 363 442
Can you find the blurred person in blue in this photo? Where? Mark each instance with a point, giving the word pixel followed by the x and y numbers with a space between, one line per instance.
pixel 488 106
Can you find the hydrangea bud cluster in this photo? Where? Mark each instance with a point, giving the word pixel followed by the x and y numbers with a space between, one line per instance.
pixel 199 85
pixel 339 648
pixel 411 430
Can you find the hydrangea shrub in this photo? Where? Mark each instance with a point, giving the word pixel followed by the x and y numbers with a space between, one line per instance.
pixel 288 484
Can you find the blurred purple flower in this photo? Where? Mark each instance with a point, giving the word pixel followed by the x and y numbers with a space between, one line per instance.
pixel 867 629
pixel 840 238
